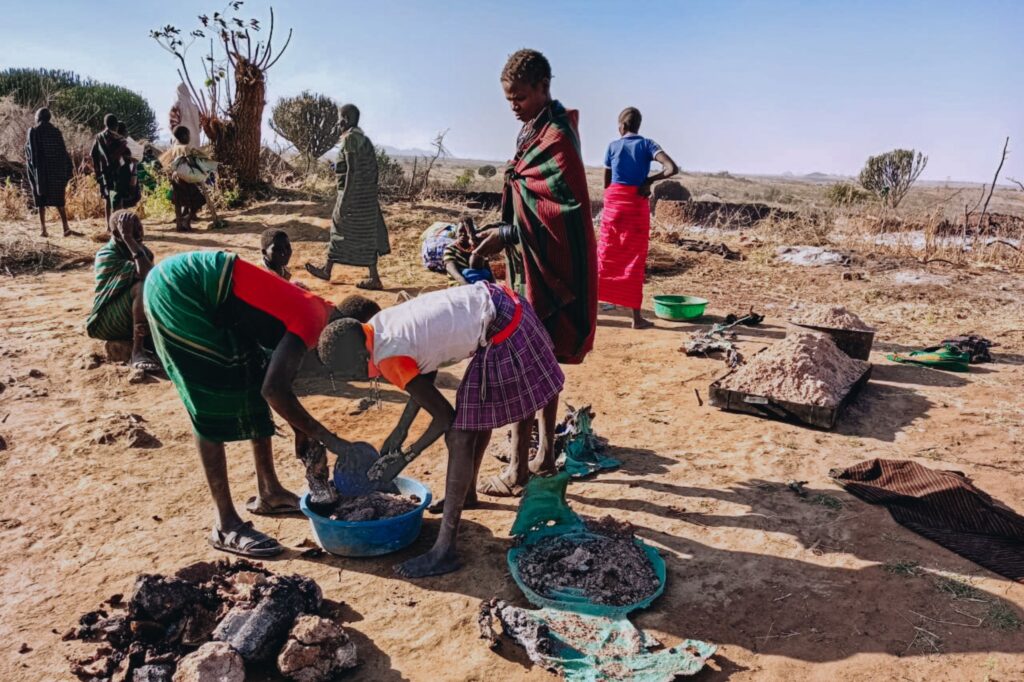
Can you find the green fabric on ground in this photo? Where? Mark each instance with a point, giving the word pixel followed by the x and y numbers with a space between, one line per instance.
pixel 218 372
pixel 358 233
pixel 111 315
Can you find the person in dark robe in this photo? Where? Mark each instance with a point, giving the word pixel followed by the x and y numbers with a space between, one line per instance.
pixel 109 153
pixel 358 233
pixel 49 169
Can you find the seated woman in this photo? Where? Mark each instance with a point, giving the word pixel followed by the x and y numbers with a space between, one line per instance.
pixel 513 375
pixel 121 268
pixel 464 266
pixel 211 315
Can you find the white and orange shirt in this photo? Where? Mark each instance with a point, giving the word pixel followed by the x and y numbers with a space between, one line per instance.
pixel 435 329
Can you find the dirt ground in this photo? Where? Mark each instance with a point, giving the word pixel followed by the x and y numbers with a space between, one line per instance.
pixel 817 588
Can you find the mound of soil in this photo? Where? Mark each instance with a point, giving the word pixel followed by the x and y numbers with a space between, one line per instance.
pixel 806 368
pixel 376 505
pixel 715 213
pixel 831 316
pixel 609 569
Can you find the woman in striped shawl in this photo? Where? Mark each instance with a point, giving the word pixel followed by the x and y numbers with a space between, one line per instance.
pixel 117 310
pixel 548 237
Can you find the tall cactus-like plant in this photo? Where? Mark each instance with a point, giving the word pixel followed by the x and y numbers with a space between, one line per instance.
pixel 889 176
pixel 311 122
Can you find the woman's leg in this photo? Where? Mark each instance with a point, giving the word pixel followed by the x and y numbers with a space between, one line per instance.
pixel 215 467
pixel 442 557
pixel 639 321
pixel 68 232
pixel 141 358
pixel 544 462
pixel 42 222
pixel 270 493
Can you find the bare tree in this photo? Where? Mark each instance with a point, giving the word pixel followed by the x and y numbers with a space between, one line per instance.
pixel 231 118
pixel 421 178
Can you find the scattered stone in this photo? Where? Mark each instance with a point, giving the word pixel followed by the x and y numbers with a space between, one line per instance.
pixel 128 427
pixel 91 361
pixel 257 632
pixel 806 368
pixel 36 373
pixel 159 598
pixel 212 662
pixel 154 672
pixel 25 648
pixel 316 651
pixel 3 443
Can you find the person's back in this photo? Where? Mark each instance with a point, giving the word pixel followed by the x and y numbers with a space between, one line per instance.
pixel 629 159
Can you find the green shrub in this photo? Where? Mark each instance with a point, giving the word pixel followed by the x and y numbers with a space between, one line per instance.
pixel 156 200
pixel 889 176
pixel 390 174
pixel 232 197
pixel 82 100
pixel 465 180
pixel 487 171
pixel 311 122
pixel 845 194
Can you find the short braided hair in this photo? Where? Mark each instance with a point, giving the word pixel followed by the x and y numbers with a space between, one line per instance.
pixel 526 66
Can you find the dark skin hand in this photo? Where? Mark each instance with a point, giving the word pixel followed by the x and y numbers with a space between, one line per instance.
pixel 132 238
pixel 668 169
pixel 277 391
pixel 422 394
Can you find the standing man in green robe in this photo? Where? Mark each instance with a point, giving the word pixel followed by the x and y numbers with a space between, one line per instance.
pixel 358 234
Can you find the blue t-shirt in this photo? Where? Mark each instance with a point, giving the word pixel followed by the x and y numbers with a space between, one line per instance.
pixel 630 158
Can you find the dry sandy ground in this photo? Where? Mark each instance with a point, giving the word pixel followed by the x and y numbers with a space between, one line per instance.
pixel 789 588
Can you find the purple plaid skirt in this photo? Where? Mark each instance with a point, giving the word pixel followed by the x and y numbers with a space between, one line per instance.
pixel 508 382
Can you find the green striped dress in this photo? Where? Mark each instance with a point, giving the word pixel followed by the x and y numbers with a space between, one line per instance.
pixel 358 233
pixel 218 371
pixel 111 315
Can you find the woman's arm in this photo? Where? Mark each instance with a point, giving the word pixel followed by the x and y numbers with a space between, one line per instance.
pixel 607 177
pixel 277 390
pixel 668 169
pixel 423 392
pixel 401 430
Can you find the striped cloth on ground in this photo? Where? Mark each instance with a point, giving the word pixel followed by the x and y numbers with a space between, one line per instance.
pixel 111 315
pixel 945 507
pixel 218 372
pixel 358 233
pixel 547 201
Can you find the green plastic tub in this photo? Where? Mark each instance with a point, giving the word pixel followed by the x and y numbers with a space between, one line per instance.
pixel 679 307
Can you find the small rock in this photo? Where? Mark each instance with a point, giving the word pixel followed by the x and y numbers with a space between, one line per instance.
pixel 3 443
pixel 91 361
pixel 316 651
pixel 25 648
pixel 257 632
pixel 212 662
pixel 154 672
pixel 160 598
pixel 36 374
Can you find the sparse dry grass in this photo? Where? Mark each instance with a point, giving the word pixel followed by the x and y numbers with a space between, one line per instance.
pixel 21 253
pixel 12 202
pixel 82 198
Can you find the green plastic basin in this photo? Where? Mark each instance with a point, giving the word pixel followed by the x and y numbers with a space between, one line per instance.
pixel 679 307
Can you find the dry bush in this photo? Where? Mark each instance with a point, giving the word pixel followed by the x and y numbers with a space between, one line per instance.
pixel 20 253
pixel 15 120
pixel 12 202
pixel 804 228
pixel 82 198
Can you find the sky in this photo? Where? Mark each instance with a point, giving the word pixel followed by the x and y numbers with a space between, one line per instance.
pixel 757 87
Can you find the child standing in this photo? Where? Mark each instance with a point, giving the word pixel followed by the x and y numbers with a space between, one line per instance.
pixel 626 219
pixel 512 376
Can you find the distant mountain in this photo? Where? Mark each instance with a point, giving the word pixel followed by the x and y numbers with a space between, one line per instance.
pixel 395 151
pixel 823 177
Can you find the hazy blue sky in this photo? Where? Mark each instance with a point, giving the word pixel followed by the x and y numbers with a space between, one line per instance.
pixel 756 87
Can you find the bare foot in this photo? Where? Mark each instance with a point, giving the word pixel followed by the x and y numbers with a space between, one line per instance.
pixel 541 467
pixel 472 502
pixel 433 562
pixel 641 322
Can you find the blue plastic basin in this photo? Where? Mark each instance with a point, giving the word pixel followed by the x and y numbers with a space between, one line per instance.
pixel 370 538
